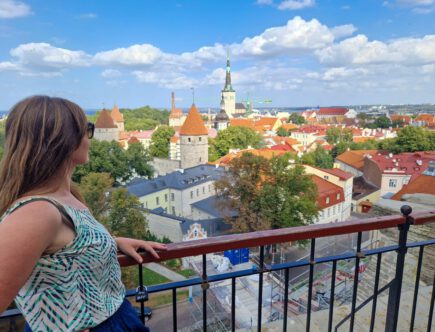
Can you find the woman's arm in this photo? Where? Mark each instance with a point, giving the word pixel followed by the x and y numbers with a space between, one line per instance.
pixel 24 235
pixel 130 246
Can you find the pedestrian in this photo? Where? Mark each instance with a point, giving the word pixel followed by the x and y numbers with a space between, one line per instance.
pixel 56 260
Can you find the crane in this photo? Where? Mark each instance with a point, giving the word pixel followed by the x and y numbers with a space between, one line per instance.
pixel 249 102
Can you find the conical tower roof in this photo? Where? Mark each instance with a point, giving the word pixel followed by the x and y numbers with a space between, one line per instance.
pixel 116 114
pixel 193 125
pixel 104 120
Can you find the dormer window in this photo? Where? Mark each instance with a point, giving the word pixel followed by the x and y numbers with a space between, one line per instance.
pixel 189 139
pixel 338 196
pixel 327 200
pixel 199 138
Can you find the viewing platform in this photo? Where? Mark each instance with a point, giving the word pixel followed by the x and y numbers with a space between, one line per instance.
pixel 383 283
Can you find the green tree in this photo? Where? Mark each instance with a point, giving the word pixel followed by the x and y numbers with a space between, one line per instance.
pixel 212 153
pixel 319 158
pixel 144 118
pixel 160 141
pixel 381 122
pixel 297 119
pixel 126 217
pixel 267 193
pixel 335 135
pixel 410 139
pixel 105 157
pixel 235 137
pixel 138 159
pixel 95 187
pixel 282 132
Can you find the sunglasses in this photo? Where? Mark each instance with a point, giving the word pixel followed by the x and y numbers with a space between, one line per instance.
pixel 90 130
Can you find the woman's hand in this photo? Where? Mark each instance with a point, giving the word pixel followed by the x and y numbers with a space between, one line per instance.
pixel 130 246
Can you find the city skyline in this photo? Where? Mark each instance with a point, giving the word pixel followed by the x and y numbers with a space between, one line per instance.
pixel 295 52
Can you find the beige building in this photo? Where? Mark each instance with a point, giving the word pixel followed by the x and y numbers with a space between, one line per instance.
pixel 176 117
pixel 342 209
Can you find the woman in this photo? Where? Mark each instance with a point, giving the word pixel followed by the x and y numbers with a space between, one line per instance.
pixel 56 260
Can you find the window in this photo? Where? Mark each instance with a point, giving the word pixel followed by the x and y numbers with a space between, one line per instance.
pixel 173 210
pixel 189 139
pixel 333 210
pixel 166 197
pixel 327 200
pixel 393 183
pixel 199 138
pixel 338 196
pixel 326 177
pixel 329 211
pixel 197 192
pixel 172 197
pixel 157 200
pixel 191 194
pixel 203 190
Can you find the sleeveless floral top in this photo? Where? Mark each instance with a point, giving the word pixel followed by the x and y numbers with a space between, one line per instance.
pixel 77 287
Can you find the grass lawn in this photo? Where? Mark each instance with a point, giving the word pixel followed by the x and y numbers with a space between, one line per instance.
pixel 187 273
pixel 163 298
pixel 153 278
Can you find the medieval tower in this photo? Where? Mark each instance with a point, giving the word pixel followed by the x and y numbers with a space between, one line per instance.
pixel 193 140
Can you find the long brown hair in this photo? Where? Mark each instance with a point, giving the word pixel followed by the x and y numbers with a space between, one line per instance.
pixel 41 134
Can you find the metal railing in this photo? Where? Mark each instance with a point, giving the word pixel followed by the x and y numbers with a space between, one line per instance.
pixel 261 239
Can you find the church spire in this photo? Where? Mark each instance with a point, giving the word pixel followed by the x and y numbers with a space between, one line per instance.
pixel 228 86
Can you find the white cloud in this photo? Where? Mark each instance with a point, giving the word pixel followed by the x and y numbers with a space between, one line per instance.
pixel 296 36
pixel 136 55
pixel 343 31
pixel 43 59
pixel 296 4
pixel 111 73
pixel 7 65
pixel 417 6
pixel 340 73
pixel 169 80
pixel 264 2
pixel 44 55
pixel 14 9
pixel 359 50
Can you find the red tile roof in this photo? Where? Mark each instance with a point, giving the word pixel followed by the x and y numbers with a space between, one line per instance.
pixel 133 140
pixel 428 118
pixel 116 114
pixel 422 184
pixel 283 147
pixel 333 111
pixel 104 120
pixel 355 158
pixel 403 118
pixel 194 125
pixel 409 163
pixel 326 190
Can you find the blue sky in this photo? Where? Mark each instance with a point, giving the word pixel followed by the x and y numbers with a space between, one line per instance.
pixel 295 52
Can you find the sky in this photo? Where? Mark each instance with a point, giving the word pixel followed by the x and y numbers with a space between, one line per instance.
pixel 293 52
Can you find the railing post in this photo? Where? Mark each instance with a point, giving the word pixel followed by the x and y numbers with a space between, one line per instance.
pixel 396 286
